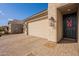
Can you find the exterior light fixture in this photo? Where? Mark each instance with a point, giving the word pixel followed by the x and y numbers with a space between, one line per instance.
pixel 52 22
pixel 68 9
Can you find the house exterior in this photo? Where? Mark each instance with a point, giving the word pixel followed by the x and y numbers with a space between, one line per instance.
pixel 15 26
pixel 60 21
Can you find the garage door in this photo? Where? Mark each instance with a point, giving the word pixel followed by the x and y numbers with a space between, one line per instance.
pixel 39 28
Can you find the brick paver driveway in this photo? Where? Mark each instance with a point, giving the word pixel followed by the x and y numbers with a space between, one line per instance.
pixel 20 44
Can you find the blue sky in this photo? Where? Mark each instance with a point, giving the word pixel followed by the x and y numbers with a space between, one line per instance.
pixel 19 11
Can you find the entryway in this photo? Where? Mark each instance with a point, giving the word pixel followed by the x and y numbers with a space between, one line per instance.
pixel 68 17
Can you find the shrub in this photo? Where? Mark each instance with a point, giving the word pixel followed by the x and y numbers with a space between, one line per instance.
pixel 1 29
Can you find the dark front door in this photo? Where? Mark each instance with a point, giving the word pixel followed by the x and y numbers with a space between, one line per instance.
pixel 70 26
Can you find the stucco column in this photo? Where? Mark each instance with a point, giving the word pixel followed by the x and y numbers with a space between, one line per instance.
pixel 52 12
pixel 59 25
pixel 55 34
pixel 26 28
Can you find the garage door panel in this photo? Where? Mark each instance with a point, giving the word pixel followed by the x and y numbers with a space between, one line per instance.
pixel 39 28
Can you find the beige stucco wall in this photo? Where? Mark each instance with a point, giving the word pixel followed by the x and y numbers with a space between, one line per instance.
pixel 9 28
pixel 52 12
pixel 39 28
pixel 59 25
pixel 57 32
pixel 25 28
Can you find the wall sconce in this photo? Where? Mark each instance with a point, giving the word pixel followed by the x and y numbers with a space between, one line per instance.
pixel 52 22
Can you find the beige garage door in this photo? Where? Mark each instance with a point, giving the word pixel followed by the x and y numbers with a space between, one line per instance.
pixel 39 28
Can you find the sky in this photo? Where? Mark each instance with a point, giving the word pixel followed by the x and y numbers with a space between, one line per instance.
pixel 19 11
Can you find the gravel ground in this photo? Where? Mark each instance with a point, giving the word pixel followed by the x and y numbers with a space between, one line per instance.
pixel 22 45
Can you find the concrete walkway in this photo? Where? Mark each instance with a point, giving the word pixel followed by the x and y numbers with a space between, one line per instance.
pixel 22 45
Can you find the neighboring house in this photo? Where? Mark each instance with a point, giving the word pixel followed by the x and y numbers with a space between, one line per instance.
pixel 15 26
pixel 60 21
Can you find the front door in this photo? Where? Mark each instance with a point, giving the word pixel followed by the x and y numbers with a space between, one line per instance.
pixel 70 26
